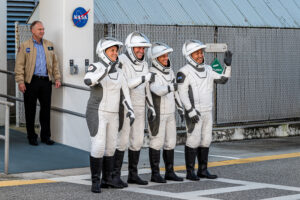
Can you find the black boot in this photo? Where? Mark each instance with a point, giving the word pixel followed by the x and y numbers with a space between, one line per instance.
pixel 118 161
pixel 168 156
pixel 107 180
pixel 190 157
pixel 133 159
pixel 202 164
pixel 96 167
pixel 154 156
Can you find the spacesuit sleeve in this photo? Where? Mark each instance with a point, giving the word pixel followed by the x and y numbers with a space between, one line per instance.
pixel 222 78
pixel 159 89
pixel 183 89
pixel 149 100
pixel 132 82
pixel 178 102
pixel 125 91
pixel 95 74
pixel 135 82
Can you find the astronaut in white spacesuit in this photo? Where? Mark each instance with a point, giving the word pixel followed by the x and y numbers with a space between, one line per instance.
pixel 136 71
pixel 195 85
pixel 165 99
pixel 108 90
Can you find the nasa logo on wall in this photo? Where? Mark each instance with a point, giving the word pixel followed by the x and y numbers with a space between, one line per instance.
pixel 80 17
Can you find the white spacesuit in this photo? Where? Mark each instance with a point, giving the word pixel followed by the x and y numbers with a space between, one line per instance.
pixel 165 98
pixel 108 86
pixel 195 85
pixel 137 74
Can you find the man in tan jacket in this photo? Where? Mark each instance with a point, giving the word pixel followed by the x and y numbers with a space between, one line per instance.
pixel 36 66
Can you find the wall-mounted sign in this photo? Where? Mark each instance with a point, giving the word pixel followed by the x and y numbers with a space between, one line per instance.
pixel 216 47
pixel 80 17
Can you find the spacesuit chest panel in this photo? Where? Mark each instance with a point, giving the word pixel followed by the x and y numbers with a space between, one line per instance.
pixel 111 92
pixel 112 81
pixel 138 68
pixel 138 94
pixel 167 101
pixel 167 78
pixel 201 81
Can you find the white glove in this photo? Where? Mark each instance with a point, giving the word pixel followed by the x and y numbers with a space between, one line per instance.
pixel 194 116
pixel 192 113
pixel 131 116
pixel 171 88
pixel 148 77
pixel 151 114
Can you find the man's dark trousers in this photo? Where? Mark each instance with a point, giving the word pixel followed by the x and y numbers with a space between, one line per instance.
pixel 40 88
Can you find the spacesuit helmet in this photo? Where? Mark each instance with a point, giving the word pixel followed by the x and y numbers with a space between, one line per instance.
pixel 136 39
pixel 158 49
pixel 189 47
pixel 104 44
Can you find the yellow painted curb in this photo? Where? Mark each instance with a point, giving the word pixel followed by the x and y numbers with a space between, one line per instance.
pixel 242 161
pixel 24 182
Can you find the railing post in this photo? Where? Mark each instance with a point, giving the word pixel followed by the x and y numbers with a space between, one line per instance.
pixel 6 134
pixel 6 157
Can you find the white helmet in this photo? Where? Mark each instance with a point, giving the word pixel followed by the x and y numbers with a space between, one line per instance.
pixel 136 39
pixel 189 47
pixel 159 49
pixel 105 43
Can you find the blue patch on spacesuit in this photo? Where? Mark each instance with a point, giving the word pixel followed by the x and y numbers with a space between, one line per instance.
pixel 180 77
pixel 27 50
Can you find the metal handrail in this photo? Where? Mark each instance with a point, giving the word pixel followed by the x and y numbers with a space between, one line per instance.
pixel 6 136
pixel 7 72
pixel 52 107
pixel 62 84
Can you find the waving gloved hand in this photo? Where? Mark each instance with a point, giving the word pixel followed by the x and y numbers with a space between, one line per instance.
pixel 131 117
pixel 151 114
pixel 228 58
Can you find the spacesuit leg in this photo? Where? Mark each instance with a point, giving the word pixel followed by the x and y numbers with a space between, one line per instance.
pixel 98 140
pixel 206 130
pixel 192 144
pixel 203 150
pixel 156 143
pixel 168 152
pixel 123 135
pixel 136 135
pixel 136 138
pixel 157 139
pixel 122 143
pixel 170 137
pixel 193 139
pixel 98 137
pixel 108 159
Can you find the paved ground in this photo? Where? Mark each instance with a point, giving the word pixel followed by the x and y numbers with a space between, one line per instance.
pixel 250 169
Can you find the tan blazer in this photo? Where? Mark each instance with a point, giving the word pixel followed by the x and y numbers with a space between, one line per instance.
pixel 25 61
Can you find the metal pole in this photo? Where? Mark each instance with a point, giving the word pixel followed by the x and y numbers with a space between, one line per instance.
pixel 6 157
pixel 17 93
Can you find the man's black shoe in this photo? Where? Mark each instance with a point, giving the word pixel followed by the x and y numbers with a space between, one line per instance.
pixel 33 141
pixel 47 141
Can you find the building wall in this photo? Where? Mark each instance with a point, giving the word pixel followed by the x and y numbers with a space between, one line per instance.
pixel 265 75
